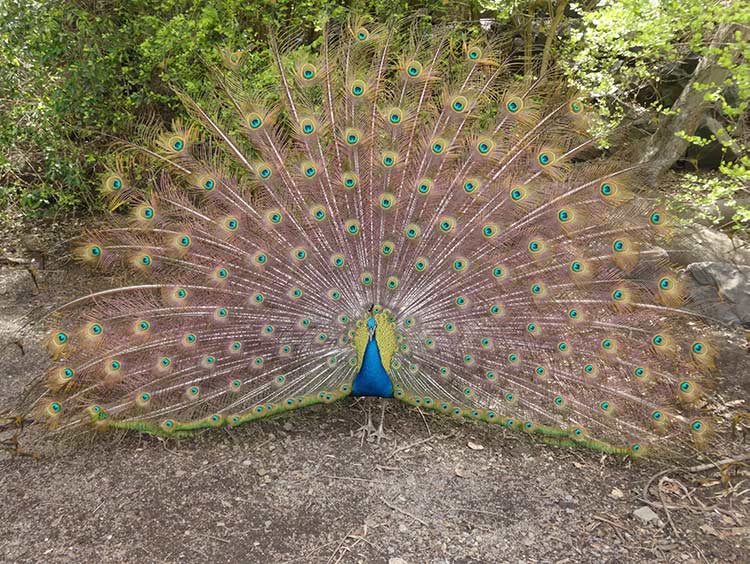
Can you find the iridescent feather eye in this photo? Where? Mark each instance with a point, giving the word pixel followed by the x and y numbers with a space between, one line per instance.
pixel 446 224
pixel 473 53
pixel 307 126
pixel 472 185
pixel 395 116
pixel 361 34
pixel 388 158
pixel 421 264
pixel 358 88
pixel 438 146
pixel 351 226
pixel 352 136
pixel 484 146
pixel 308 169
pixel 413 69
pixel 459 104
pixel 255 121
pixel 349 180
pixel 308 72
pixel 274 217
pixel 412 231
pixel 514 104
pixel 317 212
pixel 387 200
pixel 424 186
pixel 176 143
pixel 545 158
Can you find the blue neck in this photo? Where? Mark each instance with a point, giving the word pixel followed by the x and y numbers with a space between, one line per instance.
pixel 372 379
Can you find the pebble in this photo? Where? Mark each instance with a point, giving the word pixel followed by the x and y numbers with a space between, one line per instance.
pixel 645 514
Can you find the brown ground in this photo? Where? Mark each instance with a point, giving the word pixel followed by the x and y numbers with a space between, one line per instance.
pixel 301 488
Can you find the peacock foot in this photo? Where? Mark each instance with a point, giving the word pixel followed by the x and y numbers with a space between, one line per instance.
pixel 368 432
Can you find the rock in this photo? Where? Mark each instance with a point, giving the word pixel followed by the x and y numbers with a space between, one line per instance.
pixel 396 561
pixel 616 493
pixel 698 243
pixel 646 514
pixel 733 285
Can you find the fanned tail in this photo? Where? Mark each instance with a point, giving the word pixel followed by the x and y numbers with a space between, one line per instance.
pixel 412 173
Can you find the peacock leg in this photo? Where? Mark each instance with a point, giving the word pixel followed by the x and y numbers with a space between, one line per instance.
pixel 380 434
pixel 368 429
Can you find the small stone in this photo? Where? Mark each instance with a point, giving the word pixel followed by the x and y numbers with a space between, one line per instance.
pixel 247 463
pixel 179 473
pixel 288 426
pixel 262 471
pixel 396 561
pixel 616 493
pixel 645 514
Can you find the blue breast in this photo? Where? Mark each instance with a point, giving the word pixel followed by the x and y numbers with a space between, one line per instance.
pixel 372 379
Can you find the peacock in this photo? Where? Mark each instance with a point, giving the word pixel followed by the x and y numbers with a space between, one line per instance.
pixel 405 212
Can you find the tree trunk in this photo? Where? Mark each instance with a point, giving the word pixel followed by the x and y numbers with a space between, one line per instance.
pixel 665 147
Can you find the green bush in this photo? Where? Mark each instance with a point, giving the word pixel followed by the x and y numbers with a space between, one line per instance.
pixel 74 76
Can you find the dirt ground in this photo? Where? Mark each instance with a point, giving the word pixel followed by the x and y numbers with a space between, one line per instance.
pixel 302 488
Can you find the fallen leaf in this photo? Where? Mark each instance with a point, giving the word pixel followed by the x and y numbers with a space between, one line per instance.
pixel 617 493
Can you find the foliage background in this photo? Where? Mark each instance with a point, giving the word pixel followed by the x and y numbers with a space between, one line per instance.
pixel 75 74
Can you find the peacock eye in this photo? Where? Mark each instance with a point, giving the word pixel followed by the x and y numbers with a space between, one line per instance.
pixel 414 69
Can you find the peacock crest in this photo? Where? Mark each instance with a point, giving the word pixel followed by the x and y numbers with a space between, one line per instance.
pixel 415 206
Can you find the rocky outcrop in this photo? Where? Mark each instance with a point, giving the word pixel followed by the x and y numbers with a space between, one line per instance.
pixel 732 282
pixel 698 243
